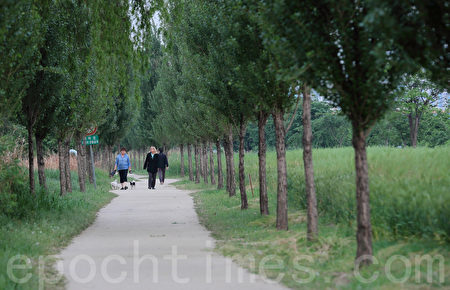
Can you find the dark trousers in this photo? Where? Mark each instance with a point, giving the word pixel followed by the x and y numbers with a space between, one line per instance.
pixel 162 174
pixel 151 179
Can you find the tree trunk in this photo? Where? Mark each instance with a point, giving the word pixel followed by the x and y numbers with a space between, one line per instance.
pixel 191 174
pixel 87 163
pixel 197 165
pixel 219 166
pixel 112 159
pixel 139 157
pixel 231 182
pixel 40 161
pixel 80 163
pixel 413 128
pixel 62 168
pixel 31 156
pixel 200 159
pixel 227 162
pixel 211 164
pixel 282 209
pixel 364 230
pixel 205 163
pixel 309 169
pixel 242 128
pixel 263 198
pixel 181 160
pixel 67 164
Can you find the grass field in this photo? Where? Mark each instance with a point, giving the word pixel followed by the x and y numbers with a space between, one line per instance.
pixel 47 226
pixel 410 205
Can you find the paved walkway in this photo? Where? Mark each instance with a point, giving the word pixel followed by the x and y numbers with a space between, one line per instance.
pixel 151 239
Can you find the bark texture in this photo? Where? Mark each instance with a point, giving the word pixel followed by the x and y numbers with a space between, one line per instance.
pixel 181 160
pixel 413 128
pixel 211 164
pixel 40 161
pixel 364 230
pixel 81 163
pixel 219 165
pixel 205 163
pixel 191 174
pixel 263 198
pixel 197 165
pixel 67 164
pixel 242 129
pixel 282 208
pixel 229 153
pixel 62 168
pixel 309 169
pixel 31 157
pixel 88 163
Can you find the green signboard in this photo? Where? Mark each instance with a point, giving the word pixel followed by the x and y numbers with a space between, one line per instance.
pixel 91 140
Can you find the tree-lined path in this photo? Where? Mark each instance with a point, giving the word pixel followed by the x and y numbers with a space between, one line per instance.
pixel 140 223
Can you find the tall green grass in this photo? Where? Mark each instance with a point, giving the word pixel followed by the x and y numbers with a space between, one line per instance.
pixel 409 203
pixel 409 188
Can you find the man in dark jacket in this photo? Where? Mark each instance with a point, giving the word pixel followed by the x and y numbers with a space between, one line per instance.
pixel 163 163
pixel 151 164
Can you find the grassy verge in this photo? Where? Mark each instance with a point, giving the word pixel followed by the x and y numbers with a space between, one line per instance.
pixel 406 186
pixel 49 224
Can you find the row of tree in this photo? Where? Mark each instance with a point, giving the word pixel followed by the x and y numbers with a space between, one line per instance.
pixel 67 66
pixel 211 69
pixel 224 64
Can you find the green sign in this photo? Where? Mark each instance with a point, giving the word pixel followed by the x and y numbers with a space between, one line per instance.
pixel 91 140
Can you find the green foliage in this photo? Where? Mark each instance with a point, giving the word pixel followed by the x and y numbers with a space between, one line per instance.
pixel 20 39
pixel 419 30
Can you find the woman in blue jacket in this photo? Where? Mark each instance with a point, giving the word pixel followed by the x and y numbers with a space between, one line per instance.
pixel 123 164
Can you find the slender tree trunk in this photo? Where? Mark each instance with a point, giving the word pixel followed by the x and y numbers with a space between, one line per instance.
pixel 364 230
pixel 31 156
pixel 62 168
pixel 40 161
pixel 197 164
pixel 282 208
pixel 112 158
pixel 229 154
pixel 211 164
pixel 414 127
pixel 308 165
pixel 67 165
pixel 80 163
pixel 242 128
pixel 263 198
pixel 200 159
pixel 205 162
pixel 189 150
pixel 219 166
pixel 181 160
pixel 88 163
pixel 227 162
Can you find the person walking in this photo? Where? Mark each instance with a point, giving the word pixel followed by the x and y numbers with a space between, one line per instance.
pixel 151 164
pixel 123 164
pixel 163 163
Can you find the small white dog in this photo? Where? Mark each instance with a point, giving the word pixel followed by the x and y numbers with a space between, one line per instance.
pixel 115 185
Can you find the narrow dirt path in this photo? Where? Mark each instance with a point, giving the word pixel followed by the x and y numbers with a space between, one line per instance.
pixel 151 239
